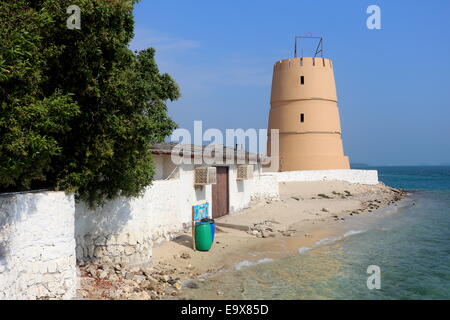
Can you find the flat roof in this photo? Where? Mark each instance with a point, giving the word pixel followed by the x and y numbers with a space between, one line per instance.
pixel 213 151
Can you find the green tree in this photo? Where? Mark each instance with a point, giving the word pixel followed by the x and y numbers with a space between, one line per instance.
pixel 115 99
pixel 31 122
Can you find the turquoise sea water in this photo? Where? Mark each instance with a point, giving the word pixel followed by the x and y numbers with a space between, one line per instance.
pixel 411 245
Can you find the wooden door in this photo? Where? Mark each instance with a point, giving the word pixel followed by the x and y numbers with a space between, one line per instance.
pixel 220 193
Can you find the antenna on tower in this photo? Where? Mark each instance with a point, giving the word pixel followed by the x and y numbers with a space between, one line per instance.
pixel 319 48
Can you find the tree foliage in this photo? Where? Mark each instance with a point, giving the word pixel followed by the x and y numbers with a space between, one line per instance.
pixel 80 110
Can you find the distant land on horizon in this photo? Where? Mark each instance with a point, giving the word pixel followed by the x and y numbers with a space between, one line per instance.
pixel 365 165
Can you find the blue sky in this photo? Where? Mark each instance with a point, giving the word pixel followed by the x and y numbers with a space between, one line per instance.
pixel 393 84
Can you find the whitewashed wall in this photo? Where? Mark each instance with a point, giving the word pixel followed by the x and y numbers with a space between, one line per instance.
pixel 37 246
pixel 265 186
pixel 125 230
pixel 239 191
pixel 369 177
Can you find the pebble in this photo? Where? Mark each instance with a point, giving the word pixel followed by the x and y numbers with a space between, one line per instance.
pixel 129 276
pixel 165 277
pixel 185 255
pixel 177 286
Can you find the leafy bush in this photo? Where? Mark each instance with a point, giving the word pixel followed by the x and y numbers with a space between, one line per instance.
pixel 80 110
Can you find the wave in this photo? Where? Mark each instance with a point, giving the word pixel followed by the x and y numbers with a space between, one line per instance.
pixel 246 263
pixel 326 241
pixel 303 249
pixel 353 232
pixel 323 241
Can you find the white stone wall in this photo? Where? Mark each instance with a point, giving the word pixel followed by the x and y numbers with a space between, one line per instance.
pixel 125 230
pixel 353 176
pixel 265 186
pixel 37 246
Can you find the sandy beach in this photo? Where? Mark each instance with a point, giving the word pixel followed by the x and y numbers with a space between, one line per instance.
pixel 305 213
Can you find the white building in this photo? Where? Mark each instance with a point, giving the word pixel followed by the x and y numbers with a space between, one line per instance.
pixel 125 230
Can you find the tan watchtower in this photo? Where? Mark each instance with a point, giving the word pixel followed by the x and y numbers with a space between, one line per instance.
pixel 304 109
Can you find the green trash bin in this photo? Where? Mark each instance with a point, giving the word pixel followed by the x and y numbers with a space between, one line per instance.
pixel 203 236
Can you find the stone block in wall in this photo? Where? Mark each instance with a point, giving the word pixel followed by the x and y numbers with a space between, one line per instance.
pixel 37 256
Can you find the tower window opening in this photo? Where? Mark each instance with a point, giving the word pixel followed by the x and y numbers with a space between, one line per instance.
pixel 302 117
pixel 302 80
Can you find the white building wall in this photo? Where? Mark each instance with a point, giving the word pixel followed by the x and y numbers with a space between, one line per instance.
pixel 37 246
pixel 240 191
pixel 369 177
pixel 158 162
pixel 125 230
pixel 265 186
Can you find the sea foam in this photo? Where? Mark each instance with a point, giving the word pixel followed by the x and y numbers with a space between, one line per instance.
pixel 246 263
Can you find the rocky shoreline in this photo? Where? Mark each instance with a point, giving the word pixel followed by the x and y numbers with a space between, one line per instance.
pixel 118 282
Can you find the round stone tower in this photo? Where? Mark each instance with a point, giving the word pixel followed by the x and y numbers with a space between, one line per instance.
pixel 304 108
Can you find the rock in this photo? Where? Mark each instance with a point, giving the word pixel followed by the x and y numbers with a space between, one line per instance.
pixel 295 198
pixel 113 277
pixel 116 295
pixel 151 278
pixel 129 276
pixel 136 270
pixel 185 255
pixel 142 295
pixel 177 285
pixel 103 274
pixel 191 285
pixel 147 271
pixel 165 277
pixel 148 285
pixel 139 279
pixel 91 270
pixel 325 210
pixel 82 293
pixel 255 232
pixel 288 233
pixel 153 295
pixel 219 293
